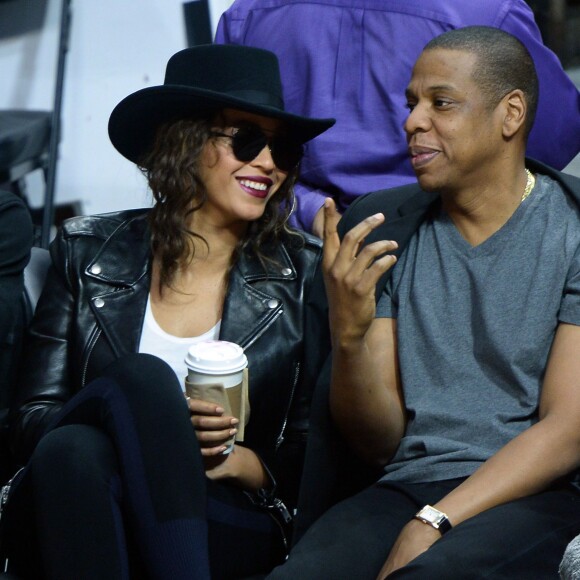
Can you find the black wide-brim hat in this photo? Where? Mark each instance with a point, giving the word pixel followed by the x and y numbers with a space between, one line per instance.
pixel 200 81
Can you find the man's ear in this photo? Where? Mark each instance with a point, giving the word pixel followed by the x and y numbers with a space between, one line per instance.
pixel 516 109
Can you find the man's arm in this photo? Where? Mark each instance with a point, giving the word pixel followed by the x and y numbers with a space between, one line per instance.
pixel 365 395
pixel 528 464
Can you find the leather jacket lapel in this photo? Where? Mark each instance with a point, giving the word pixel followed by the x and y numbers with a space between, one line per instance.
pixel 248 310
pixel 121 278
pixel 120 274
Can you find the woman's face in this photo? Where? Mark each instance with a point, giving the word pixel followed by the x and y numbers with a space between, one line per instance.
pixel 238 191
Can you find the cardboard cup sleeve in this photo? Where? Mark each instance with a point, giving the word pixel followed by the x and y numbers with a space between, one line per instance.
pixel 235 400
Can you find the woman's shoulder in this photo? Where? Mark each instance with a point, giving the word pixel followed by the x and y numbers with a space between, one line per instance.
pixel 101 225
pixel 113 238
pixel 298 240
pixel 303 249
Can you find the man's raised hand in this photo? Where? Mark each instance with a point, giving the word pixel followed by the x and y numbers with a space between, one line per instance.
pixel 351 273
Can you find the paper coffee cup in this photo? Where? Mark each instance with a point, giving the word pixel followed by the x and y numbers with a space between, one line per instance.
pixel 216 370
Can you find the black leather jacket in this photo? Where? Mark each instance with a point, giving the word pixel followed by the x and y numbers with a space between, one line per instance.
pixel 92 309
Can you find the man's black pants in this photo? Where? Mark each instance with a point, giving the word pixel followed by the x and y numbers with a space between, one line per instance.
pixel 524 539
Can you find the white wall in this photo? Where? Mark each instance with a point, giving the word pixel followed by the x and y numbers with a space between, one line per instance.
pixel 216 9
pixel 116 47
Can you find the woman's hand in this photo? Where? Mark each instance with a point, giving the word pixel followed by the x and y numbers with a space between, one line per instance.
pixel 212 427
pixel 241 466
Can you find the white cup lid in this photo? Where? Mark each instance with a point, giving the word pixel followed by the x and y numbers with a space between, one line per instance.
pixel 216 357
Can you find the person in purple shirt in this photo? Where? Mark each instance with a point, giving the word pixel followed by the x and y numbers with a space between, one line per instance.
pixel 352 60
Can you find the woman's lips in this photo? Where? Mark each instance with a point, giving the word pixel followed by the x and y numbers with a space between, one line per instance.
pixel 255 186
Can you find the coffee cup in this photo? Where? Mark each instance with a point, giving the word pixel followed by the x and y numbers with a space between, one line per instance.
pixel 217 372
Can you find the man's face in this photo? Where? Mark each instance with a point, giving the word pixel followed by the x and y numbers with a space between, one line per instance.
pixel 454 138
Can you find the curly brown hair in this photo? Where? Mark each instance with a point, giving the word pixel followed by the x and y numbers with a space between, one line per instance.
pixel 172 171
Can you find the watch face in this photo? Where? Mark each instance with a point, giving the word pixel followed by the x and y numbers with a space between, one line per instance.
pixel 435 518
pixel 430 514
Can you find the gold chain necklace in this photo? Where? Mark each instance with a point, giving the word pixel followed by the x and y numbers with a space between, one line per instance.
pixel 529 184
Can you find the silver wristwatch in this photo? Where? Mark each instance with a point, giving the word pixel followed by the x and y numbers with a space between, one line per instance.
pixel 433 517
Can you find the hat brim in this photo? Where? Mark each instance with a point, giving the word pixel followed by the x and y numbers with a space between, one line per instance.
pixel 134 121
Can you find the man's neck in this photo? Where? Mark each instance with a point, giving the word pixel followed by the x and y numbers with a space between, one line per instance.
pixel 480 211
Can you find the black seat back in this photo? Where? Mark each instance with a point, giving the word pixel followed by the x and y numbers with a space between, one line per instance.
pixel 10 351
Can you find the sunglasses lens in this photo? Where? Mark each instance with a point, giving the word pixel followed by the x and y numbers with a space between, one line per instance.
pixel 286 153
pixel 248 142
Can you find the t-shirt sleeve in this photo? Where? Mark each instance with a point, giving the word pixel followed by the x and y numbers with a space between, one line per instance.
pixel 386 307
pixel 570 306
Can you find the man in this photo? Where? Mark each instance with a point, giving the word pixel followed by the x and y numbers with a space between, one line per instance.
pixel 352 61
pixel 463 383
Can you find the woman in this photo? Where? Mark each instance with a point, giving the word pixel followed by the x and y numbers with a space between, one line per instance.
pixel 212 259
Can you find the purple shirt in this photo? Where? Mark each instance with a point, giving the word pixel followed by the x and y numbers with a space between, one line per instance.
pixel 352 60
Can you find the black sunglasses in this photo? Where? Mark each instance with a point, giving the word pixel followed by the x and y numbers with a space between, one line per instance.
pixel 247 142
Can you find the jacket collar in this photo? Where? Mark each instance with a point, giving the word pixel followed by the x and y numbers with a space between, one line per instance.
pixel 125 258
pixel 250 309
pixel 121 269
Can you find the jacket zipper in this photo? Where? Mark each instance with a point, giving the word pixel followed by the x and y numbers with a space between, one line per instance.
pixel 91 345
pixel 280 438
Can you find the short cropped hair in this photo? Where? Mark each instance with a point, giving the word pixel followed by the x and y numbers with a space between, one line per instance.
pixel 503 64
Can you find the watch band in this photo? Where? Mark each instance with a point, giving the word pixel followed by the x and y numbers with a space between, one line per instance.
pixel 434 518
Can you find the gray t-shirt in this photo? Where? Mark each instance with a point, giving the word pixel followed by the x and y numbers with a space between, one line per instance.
pixel 475 326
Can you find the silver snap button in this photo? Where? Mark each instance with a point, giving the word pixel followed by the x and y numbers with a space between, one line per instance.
pixel 96 269
pixel 99 302
pixel 273 303
pixel 286 271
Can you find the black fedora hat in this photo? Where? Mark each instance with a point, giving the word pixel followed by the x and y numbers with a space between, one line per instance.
pixel 202 80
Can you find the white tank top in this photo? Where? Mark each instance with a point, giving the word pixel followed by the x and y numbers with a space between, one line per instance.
pixel 172 349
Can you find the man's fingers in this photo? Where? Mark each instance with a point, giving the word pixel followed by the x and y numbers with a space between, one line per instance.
pixel 352 269
pixel 340 255
pixel 355 237
pixel 330 233
pixel 371 253
pixel 369 267
pixel 350 247
pixel 331 218
pixel 376 270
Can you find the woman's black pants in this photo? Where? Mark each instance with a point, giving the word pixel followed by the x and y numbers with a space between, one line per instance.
pixel 116 489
